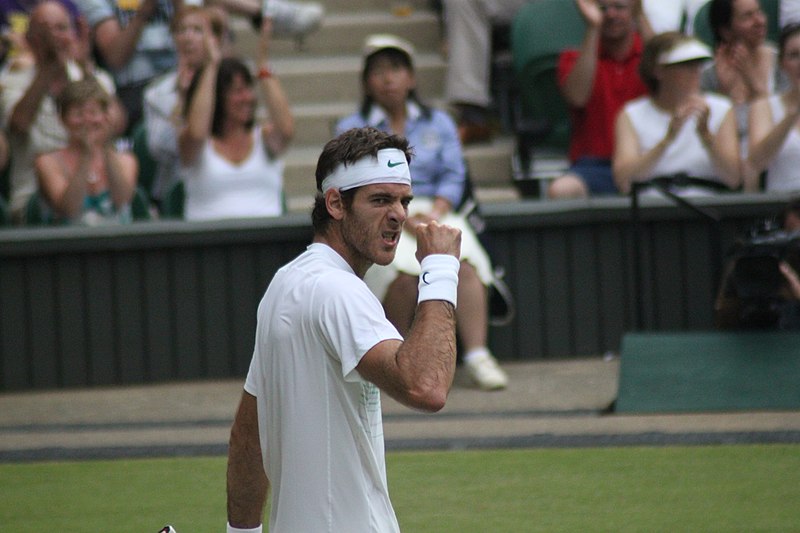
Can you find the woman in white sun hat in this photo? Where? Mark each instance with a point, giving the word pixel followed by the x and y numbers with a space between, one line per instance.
pixel 438 179
pixel 676 129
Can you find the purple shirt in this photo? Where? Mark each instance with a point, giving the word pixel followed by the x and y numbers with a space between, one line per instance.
pixel 8 7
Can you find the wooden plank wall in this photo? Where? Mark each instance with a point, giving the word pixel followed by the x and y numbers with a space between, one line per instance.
pixel 162 301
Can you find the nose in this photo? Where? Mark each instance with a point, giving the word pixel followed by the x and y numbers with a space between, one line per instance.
pixel 398 213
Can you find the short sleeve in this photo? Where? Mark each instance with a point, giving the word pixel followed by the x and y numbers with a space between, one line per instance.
pixel 351 321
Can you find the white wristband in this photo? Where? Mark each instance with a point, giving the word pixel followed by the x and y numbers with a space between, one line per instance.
pixel 439 278
pixel 232 529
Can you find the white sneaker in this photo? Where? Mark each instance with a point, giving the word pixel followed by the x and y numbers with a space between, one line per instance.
pixel 293 19
pixel 486 373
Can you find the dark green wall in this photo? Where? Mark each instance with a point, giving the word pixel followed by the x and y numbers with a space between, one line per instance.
pixel 159 301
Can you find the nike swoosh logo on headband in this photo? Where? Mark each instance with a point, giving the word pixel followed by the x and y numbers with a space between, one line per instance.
pixel 392 165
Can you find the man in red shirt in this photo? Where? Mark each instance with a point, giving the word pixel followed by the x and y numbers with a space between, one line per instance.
pixel 596 80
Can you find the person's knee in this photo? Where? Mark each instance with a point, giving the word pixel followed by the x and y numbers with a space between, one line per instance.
pixel 403 284
pixel 567 186
pixel 467 272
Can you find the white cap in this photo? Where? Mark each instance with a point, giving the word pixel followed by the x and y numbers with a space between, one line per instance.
pixel 382 41
pixel 688 50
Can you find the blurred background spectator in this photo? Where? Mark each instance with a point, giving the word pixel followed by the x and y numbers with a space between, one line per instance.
pixel 230 162
pixel 438 173
pixel 60 54
pixel 14 20
pixel 88 181
pixel 774 136
pixel 596 80
pixel 132 40
pixel 468 32
pixel 676 128
pixel 745 65
pixel 789 12
pixel 289 19
pixel 760 287
pixel 164 97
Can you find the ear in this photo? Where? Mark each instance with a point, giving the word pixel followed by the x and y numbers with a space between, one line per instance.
pixel 333 202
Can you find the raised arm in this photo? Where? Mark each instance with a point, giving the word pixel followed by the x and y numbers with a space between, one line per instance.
pixel 419 371
pixel 50 72
pixel 116 44
pixel 63 191
pixel 122 169
pixel 278 130
pixel 765 137
pixel 197 126
pixel 577 87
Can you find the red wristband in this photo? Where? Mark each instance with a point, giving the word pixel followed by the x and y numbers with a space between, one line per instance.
pixel 264 73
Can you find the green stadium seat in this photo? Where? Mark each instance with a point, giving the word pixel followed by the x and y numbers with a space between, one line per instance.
pixel 140 205
pixel 147 165
pixel 34 213
pixel 702 29
pixel 540 31
pixel 5 182
pixel 172 206
pixel 5 213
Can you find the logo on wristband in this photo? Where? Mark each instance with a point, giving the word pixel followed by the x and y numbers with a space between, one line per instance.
pixel 425 281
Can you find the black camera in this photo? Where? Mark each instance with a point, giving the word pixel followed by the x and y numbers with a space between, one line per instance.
pixel 754 291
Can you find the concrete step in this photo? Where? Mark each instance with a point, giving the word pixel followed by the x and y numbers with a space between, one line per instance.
pixel 322 81
pixel 338 78
pixel 344 33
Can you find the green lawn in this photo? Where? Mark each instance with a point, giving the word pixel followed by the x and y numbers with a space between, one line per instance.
pixel 704 489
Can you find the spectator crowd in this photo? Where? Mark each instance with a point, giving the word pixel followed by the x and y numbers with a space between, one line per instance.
pixel 646 99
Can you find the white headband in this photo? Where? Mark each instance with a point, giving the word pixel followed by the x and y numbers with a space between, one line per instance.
pixel 390 166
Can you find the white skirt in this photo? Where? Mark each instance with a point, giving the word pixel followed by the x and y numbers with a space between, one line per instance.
pixel 378 278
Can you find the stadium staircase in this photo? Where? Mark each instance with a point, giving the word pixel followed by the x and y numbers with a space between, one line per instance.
pixel 321 77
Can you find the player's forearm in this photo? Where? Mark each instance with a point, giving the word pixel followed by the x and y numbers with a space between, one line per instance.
pixel 247 483
pixel 427 358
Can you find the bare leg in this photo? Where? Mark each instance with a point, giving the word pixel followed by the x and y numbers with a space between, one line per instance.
pixel 472 320
pixel 471 314
pixel 400 302
pixel 568 186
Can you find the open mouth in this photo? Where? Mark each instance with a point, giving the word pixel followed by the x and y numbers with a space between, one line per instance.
pixel 390 238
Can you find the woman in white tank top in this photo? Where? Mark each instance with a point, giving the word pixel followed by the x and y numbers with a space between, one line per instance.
pixel 676 129
pixel 775 124
pixel 229 163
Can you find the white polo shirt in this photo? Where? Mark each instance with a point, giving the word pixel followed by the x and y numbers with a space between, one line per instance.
pixel 319 422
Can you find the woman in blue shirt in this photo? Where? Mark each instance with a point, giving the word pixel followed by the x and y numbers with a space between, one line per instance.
pixel 438 180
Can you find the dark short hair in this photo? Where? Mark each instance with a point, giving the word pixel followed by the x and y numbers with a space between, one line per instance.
pixel 347 148
pixel 397 58
pixel 787 32
pixel 653 49
pixel 229 68
pixel 720 16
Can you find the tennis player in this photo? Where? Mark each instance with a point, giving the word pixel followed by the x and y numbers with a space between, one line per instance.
pixel 309 422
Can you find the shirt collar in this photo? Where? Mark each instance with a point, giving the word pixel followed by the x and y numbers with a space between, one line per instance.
pixel 377 116
pixel 634 52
